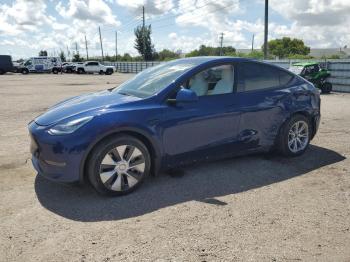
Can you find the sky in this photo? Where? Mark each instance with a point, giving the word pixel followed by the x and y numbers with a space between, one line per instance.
pixel 28 26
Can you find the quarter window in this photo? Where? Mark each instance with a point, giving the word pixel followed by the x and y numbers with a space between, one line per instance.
pixel 256 76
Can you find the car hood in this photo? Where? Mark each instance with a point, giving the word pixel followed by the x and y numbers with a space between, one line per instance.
pixel 84 103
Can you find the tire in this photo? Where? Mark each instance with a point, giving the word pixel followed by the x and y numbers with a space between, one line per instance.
pixel 326 88
pixel 24 71
pixel 80 71
pixel 69 71
pixel 300 139
pixel 55 71
pixel 2 72
pixel 101 72
pixel 109 71
pixel 108 165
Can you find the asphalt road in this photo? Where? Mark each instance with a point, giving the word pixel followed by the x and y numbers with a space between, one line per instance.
pixel 255 208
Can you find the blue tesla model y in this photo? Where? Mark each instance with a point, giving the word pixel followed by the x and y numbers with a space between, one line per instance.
pixel 174 114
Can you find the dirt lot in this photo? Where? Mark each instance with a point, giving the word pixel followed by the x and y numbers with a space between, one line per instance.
pixel 256 208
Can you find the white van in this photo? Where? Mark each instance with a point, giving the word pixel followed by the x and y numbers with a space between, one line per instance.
pixel 42 64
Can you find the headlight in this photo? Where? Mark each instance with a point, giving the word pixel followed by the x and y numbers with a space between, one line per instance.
pixel 69 127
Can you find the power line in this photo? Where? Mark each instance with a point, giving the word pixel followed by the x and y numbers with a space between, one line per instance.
pixel 177 15
pixel 186 20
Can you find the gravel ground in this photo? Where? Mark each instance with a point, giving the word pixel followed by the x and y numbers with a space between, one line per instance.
pixel 256 208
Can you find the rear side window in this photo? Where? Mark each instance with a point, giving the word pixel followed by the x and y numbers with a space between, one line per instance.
pixel 256 76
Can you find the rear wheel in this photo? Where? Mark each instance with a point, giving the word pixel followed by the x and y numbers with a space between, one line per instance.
pixel 294 136
pixel 80 71
pixel 24 71
pixel 55 70
pixel 326 88
pixel 119 165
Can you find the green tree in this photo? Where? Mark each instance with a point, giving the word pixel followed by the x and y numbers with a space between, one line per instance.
pixel 77 58
pixel 126 57
pixel 43 53
pixel 287 47
pixel 143 42
pixel 212 51
pixel 62 56
pixel 166 55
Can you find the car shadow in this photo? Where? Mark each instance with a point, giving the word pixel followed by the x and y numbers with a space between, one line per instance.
pixel 202 182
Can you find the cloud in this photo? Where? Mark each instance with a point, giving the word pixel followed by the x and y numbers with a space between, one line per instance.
pixel 88 10
pixel 320 23
pixel 156 7
pixel 23 16
pixel 212 15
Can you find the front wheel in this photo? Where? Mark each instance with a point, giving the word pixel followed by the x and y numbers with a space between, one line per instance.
pixel 55 71
pixel 24 71
pixel 294 136
pixel 119 165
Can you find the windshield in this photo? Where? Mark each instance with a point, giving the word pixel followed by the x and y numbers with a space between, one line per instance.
pixel 153 80
pixel 296 69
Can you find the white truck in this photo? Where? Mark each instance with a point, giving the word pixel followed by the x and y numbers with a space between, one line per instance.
pixel 41 64
pixel 91 67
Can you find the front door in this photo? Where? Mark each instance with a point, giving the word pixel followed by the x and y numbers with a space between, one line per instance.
pixel 207 128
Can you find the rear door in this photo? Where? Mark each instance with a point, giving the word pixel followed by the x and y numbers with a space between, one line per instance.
pixel 260 91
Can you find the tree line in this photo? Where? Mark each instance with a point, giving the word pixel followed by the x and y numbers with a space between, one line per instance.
pixel 285 47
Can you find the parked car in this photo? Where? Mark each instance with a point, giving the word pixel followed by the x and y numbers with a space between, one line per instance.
pixel 68 67
pixel 312 72
pixel 75 65
pixel 94 67
pixel 6 64
pixel 41 64
pixel 174 114
pixel 17 65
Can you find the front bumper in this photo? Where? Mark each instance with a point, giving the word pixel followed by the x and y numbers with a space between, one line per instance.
pixel 57 158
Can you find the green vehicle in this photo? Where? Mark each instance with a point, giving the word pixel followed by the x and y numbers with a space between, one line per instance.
pixel 312 72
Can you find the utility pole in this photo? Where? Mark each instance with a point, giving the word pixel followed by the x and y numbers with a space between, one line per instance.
pixel 76 47
pixel 116 46
pixel 266 27
pixel 253 42
pixel 99 30
pixel 87 52
pixel 68 53
pixel 221 42
pixel 143 33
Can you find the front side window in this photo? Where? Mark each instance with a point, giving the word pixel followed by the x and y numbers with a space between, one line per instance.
pixel 28 63
pixel 213 81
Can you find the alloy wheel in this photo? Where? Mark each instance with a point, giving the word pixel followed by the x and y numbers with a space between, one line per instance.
pixel 122 168
pixel 298 136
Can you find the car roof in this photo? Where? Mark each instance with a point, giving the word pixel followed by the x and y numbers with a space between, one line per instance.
pixel 204 59
pixel 305 64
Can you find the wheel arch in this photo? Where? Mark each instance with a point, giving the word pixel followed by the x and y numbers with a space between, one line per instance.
pixel 144 138
pixel 304 113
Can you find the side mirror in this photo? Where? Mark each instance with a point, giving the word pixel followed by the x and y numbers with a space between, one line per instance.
pixel 184 96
